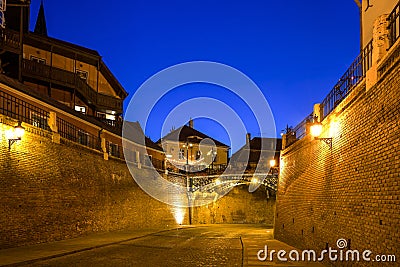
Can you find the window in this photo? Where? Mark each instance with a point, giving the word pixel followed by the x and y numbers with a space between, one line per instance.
pixel 101 115
pixel 198 155
pixel 181 154
pixel 81 109
pixel 38 60
pixel 83 138
pixel 110 117
pixel 82 74
pixel 113 150
pixel 38 120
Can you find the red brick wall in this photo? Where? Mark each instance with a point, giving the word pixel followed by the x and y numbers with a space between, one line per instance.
pixel 353 190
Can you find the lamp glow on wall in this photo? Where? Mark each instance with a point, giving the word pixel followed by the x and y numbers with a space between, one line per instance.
pixel 15 134
pixel 316 130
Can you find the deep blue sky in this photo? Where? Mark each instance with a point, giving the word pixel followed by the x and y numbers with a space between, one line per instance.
pixel 294 51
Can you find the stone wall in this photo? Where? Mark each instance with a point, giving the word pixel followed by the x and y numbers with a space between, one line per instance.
pixel 238 206
pixel 352 190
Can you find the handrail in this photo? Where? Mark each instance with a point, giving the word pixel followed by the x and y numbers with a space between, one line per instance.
pixel 350 79
pixel 10 38
pixel 68 78
pixel 394 25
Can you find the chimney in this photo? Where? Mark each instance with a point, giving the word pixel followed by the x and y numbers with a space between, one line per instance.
pixel 248 138
pixel 191 123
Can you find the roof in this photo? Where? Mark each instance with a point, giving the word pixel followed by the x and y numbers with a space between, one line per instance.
pixel 253 149
pixel 40 27
pixel 134 132
pixel 185 132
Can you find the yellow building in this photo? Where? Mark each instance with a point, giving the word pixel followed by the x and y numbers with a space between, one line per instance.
pixel 370 10
pixel 187 149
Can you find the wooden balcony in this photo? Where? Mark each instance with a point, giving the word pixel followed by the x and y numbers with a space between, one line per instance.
pixel 10 40
pixel 70 79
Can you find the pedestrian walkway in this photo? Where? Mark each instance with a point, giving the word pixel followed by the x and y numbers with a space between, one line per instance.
pixel 256 240
pixel 26 254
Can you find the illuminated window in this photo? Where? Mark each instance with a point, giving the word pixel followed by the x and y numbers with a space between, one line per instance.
pixel 181 154
pixel 80 109
pixel 38 60
pixel 110 117
pixel 198 155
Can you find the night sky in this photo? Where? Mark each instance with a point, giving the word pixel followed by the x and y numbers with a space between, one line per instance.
pixel 294 51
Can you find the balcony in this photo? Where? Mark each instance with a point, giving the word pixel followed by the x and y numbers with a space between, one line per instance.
pixel 10 40
pixel 70 79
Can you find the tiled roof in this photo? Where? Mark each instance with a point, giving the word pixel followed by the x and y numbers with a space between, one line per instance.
pixel 185 132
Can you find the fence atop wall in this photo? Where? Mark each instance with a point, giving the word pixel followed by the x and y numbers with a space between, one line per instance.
pixel 350 79
pixel 75 134
pixel 23 111
pixel 394 25
pixel 300 129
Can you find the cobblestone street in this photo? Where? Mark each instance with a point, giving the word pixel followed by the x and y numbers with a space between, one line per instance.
pixel 211 245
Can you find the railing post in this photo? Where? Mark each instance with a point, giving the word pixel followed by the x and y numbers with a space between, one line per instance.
pixel 103 146
pixel 52 122
pixel 380 44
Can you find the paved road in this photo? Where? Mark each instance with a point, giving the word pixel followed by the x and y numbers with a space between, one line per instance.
pixel 216 245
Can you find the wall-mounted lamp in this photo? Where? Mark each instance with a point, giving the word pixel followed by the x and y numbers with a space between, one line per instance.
pixel 14 134
pixel 316 130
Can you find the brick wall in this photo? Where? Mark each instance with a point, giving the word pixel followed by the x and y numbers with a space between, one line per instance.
pixel 238 206
pixel 54 191
pixel 351 191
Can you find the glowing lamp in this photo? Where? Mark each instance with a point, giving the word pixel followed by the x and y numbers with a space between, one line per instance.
pixel 15 134
pixel 316 129
pixel 272 163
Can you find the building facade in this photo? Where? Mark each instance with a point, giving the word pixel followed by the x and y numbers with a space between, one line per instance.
pixel 70 74
pixel 258 153
pixel 188 149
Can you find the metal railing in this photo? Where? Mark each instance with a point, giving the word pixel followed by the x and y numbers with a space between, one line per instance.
pixel 301 129
pixel 350 79
pixel 76 134
pixel 114 150
pixel 394 25
pixel 23 111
